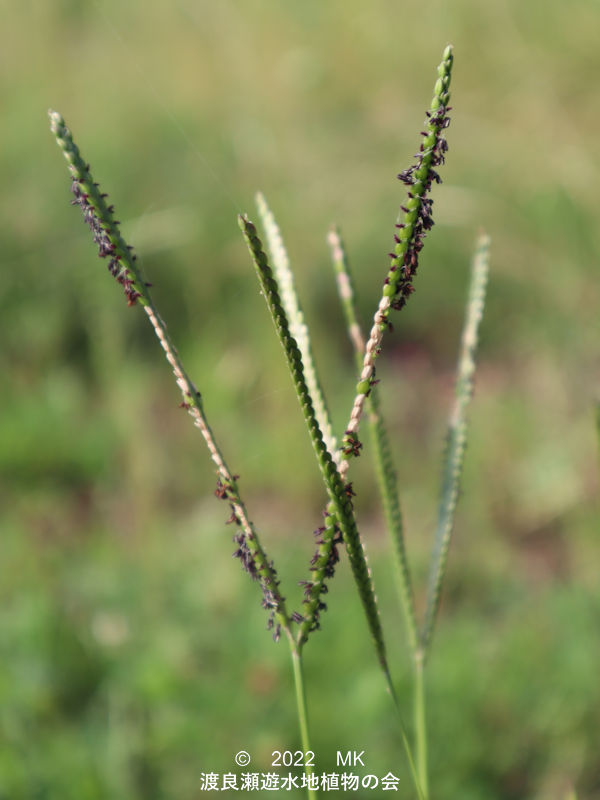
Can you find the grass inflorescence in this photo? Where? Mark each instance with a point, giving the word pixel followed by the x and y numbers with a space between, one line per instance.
pixel 417 219
pixel 334 453
pixel 340 512
pixel 122 265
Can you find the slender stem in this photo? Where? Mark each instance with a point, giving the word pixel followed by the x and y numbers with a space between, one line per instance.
pixel 302 717
pixel 421 722
pixel 406 744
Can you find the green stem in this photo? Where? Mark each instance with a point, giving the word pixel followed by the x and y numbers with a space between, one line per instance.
pixel 302 716
pixel 406 744
pixel 421 722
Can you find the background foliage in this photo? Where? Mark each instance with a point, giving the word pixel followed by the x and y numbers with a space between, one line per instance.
pixel 133 654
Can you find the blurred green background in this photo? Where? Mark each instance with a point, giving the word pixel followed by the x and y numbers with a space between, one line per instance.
pixel 133 649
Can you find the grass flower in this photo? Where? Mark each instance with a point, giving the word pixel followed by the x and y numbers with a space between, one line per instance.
pixel 123 267
pixel 417 219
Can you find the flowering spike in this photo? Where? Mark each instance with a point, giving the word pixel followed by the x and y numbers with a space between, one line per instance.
pixel 457 434
pixel 121 265
pixel 298 327
pixel 340 516
pixel 412 226
pixel 97 214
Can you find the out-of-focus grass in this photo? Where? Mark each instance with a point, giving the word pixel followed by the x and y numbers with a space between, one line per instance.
pixel 128 668
pixel 133 649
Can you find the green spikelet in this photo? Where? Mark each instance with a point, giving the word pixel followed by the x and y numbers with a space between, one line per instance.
pixel 457 435
pixel 100 217
pixel 340 499
pixel 384 464
pixel 298 327
pixel 122 266
pixel 415 220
